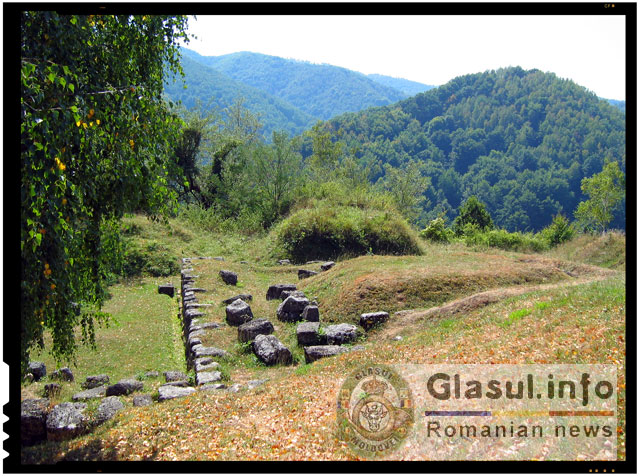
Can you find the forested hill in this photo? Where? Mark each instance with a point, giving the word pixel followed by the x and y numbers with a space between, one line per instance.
pixel 213 88
pixel 405 86
pixel 521 141
pixel 322 91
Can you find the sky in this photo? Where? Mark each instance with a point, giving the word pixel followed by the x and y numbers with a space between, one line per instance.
pixel 432 49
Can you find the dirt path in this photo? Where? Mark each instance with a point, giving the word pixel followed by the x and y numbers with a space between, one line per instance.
pixel 404 319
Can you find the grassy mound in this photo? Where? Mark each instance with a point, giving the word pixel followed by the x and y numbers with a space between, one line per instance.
pixel 327 231
pixel 389 283
pixel 608 251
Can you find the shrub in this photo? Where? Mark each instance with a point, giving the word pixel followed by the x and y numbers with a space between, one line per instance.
pixel 559 231
pixel 437 232
pixel 523 242
pixel 130 229
pixel 212 220
pixel 153 259
pixel 473 211
pixel 328 232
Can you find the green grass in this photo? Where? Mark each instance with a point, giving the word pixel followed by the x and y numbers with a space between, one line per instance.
pixel 515 316
pixel 181 238
pixel 608 250
pixel 442 274
pixel 542 305
pixel 143 335
pixel 572 324
pixel 447 323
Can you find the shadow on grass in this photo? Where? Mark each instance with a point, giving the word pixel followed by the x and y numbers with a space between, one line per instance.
pixel 51 452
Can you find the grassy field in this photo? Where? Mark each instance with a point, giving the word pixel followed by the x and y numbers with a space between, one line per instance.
pixel 549 310
pixel 608 251
pixel 142 335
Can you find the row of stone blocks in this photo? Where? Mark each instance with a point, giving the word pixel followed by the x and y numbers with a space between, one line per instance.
pixel 197 355
pixel 40 421
pixel 200 357
pixel 67 420
pixel 259 332
pixel 319 341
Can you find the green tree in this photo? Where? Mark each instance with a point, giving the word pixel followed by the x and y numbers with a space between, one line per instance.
pixel 95 143
pixel 198 129
pixel 606 190
pixel 559 231
pixel 326 153
pixel 473 212
pixel 274 174
pixel 228 154
pixel 407 186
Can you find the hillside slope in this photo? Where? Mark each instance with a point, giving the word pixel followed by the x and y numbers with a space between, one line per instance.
pixel 622 105
pixel 214 88
pixel 409 88
pixel 521 141
pixel 322 91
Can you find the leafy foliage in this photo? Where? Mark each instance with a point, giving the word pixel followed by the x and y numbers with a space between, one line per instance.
pixel 152 259
pixel 407 186
pixel 606 191
pixel 520 141
pixel 559 231
pixel 473 212
pixel 437 231
pixel 274 173
pixel 95 137
pixel 327 231
pixel 196 130
pixel 499 238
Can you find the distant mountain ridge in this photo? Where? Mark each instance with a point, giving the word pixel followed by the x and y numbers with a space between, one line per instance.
pixel 622 105
pixel 409 88
pixel 320 90
pixel 214 88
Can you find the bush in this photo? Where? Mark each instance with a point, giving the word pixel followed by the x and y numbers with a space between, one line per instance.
pixel 130 229
pixel 328 232
pixel 559 231
pixel 437 232
pixel 472 212
pixel 153 259
pixel 212 220
pixel 523 242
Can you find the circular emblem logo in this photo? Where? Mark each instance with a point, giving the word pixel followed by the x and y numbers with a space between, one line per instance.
pixel 375 410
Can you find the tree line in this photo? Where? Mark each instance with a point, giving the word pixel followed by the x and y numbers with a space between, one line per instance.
pixel 521 141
